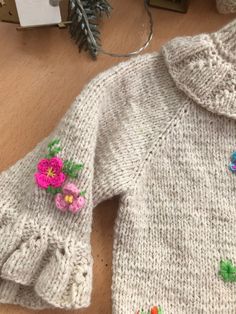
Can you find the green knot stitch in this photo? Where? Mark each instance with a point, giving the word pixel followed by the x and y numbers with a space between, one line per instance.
pixel 227 271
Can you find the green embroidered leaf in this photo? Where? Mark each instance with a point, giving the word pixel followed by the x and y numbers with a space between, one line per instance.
pixel 82 193
pixel 56 150
pixel 227 271
pixel 54 142
pixel 78 167
pixel 53 148
pixel 72 169
pixel 53 191
pixel 160 311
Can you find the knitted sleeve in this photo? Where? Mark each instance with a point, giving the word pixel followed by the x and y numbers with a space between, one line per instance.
pixel 226 6
pixel 133 114
pixel 18 185
pixel 110 129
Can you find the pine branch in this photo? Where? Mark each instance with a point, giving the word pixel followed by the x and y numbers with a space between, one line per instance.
pixel 102 7
pixel 84 26
pixel 84 30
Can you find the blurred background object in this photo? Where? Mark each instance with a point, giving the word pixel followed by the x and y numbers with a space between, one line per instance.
pixel 174 5
pixel 8 11
pixel 83 17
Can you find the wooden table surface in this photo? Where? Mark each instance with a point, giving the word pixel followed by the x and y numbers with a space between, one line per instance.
pixel 41 72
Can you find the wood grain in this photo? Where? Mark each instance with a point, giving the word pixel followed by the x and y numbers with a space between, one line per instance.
pixel 41 72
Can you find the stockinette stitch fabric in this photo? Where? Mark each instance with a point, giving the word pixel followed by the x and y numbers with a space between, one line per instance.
pixel 226 6
pixel 17 178
pixel 157 131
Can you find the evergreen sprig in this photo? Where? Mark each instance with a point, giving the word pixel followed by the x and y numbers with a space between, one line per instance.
pixel 84 16
pixel 102 7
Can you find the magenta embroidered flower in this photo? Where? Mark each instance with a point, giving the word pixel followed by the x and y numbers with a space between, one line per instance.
pixel 51 176
pixel 70 199
pixel 50 173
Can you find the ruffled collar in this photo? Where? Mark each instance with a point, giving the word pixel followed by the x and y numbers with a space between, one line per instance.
pixel 204 67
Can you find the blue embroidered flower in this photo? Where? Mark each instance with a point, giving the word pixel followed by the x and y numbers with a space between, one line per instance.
pixel 232 165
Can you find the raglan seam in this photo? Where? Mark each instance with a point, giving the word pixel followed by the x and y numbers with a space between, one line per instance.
pixel 158 141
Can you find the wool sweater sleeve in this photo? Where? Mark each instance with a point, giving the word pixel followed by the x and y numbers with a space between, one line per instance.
pixel 110 129
pixel 19 185
pixel 133 116
pixel 226 6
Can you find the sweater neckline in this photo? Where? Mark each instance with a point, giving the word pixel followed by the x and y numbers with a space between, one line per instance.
pixel 204 68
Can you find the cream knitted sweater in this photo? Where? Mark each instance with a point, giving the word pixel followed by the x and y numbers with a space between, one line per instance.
pixel 157 131
pixel 226 6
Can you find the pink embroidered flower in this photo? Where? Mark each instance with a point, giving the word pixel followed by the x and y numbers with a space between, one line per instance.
pixel 50 173
pixel 70 199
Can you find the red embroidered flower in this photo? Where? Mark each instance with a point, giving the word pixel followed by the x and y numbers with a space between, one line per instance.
pixel 50 173
pixel 154 310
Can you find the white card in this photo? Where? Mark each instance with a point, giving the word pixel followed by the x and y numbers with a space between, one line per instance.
pixel 37 12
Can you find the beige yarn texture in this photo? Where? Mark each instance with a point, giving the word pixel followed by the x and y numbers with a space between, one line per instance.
pixel 226 6
pixel 158 132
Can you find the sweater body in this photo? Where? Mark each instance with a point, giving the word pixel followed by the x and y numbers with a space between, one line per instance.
pixel 181 215
pixel 179 212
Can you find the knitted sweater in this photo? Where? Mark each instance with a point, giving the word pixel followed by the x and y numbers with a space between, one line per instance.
pixel 158 131
pixel 226 6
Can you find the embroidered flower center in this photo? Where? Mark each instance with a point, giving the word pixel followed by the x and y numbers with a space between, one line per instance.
pixel 50 172
pixel 69 199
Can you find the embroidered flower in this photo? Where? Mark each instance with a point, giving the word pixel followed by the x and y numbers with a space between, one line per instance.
pixel 227 271
pixel 51 176
pixel 50 173
pixel 153 310
pixel 70 199
pixel 232 165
